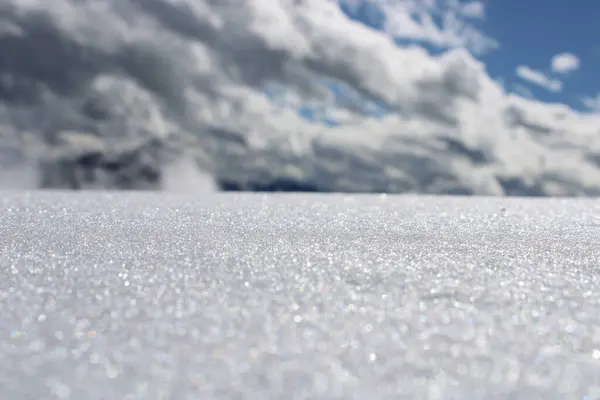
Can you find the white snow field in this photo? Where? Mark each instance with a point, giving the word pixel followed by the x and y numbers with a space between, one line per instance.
pixel 251 296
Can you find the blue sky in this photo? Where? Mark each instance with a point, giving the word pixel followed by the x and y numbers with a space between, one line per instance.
pixel 529 33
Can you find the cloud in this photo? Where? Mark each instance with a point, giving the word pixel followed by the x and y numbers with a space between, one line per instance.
pixel 565 63
pixel 592 103
pixel 523 91
pixel 443 23
pixel 473 9
pixel 538 78
pixel 194 74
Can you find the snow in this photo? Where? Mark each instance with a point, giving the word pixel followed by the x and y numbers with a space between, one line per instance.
pixel 162 295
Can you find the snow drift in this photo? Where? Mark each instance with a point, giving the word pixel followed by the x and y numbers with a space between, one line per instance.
pixel 110 93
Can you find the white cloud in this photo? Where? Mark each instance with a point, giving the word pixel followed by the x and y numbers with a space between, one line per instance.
pixel 592 103
pixel 523 91
pixel 565 63
pixel 198 69
pixel 416 20
pixel 538 78
pixel 473 9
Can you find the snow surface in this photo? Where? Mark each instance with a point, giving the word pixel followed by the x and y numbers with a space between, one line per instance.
pixel 155 296
pixel 85 84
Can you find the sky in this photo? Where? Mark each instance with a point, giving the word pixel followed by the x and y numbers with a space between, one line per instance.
pixel 527 35
pixel 436 96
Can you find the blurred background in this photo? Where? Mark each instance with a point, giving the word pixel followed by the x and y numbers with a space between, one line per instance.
pixel 477 97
